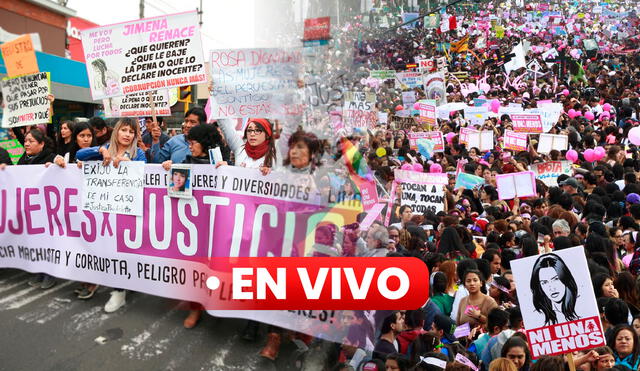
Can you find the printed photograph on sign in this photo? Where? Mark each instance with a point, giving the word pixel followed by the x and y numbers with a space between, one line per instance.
pixel 180 181
pixel 558 303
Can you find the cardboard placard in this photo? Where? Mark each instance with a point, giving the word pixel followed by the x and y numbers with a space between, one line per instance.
pixel 436 136
pixel 19 56
pixel 483 140
pixel 549 172
pixel 515 141
pixel 26 100
pixel 358 112
pixel 527 123
pixel 522 184
pixel 549 142
pixel 558 304
pixel 137 104
pixel 113 190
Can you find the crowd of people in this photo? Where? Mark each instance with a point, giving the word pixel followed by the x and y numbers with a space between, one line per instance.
pixel 469 246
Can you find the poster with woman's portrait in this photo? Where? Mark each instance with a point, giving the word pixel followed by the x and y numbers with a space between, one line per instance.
pixel 180 181
pixel 557 302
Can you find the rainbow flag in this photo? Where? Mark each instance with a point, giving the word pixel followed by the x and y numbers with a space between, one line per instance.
pixel 356 164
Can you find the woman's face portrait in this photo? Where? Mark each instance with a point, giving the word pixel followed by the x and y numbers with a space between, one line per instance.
pixel 126 134
pixel 179 179
pixel 299 155
pixel 255 135
pixel 84 138
pixel 551 285
pixel 32 146
pixel 636 325
pixel 196 148
pixel 518 356
pixel 624 343
pixel 64 131
pixel 605 362
pixel 406 214
pixel 608 289
pixel 472 283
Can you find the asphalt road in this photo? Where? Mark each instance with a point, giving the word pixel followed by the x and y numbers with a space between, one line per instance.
pixel 52 330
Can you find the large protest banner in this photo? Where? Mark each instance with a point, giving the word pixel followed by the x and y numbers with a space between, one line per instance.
pixel 558 304
pixel 26 100
pixel 358 110
pixel 138 104
pixel 19 56
pixel 255 83
pixel 143 55
pixel 44 229
pixel 549 172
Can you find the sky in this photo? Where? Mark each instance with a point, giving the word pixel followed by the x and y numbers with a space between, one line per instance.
pixel 226 23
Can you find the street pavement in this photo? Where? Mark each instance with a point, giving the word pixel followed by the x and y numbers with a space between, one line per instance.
pixel 53 330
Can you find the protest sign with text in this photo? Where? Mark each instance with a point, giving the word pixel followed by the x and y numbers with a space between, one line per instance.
pixel 409 80
pixel 358 110
pixel 515 141
pixel 436 136
pixel 527 123
pixel 19 56
pixel 138 104
pixel 26 100
pixel 114 190
pixel 558 303
pixel 15 149
pixel 482 140
pixel 255 83
pixel 422 191
pixel 383 74
pixel 549 172
pixel 434 87
pixel 427 109
pixel 549 142
pixel 142 55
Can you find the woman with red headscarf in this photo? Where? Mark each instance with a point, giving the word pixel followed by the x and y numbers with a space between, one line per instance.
pixel 256 148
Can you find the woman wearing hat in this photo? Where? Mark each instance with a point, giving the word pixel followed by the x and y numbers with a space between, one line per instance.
pixel 256 148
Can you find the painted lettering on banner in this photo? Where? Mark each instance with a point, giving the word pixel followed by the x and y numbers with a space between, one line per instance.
pixel 113 190
pixel 138 104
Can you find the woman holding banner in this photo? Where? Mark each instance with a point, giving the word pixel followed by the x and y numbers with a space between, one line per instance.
pixel 38 150
pixel 121 147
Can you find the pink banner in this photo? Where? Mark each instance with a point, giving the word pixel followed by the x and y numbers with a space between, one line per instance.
pixel 515 141
pixel 435 136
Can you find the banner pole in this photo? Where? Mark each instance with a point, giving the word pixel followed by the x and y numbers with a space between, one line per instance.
pixel 152 105
pixel 572 365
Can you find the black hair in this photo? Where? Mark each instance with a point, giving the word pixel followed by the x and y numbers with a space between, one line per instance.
pixel 78 128
pixel 616 311
pixel 209 137
pixel 497 317
pixel 541 302
pixel 198 111
pixel 97 123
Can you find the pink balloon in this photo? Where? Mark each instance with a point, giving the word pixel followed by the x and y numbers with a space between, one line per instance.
pixel 407 167
pixel 634 135
pixel 418 167
pixel 416 105
pixel 600 153
pixel 449 137
pixel 495 105
pixel 589 115
pixel 399 107
pixel 571 113
pixel 590 155
pixel 566 92
pixel 606 107
pixel 572 155
pixel 435 168
pixel 605 115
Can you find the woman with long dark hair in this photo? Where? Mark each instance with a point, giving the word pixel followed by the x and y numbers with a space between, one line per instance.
pixel 256 148
pixel 554 290
pixel 451 245
pixel 624 342
pixel 64 141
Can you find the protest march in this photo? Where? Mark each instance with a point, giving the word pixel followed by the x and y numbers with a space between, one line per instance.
pixel 401 185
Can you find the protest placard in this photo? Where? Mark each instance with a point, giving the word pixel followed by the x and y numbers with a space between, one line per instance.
pixel 408 80
pixel 26 100
pixel 522 184
pixel 527 123
pixel 515 141
pixel 255 82
pixel 476 115
pixel 427 109
pixel 15 149
pixel 549 114
pixel 371 217
pixel 113 190
pixel 143 55
pixel 549 172
pixel 408 99
pixel 558 303
pixel 138 104
pixel 436 136
pixel 482 140
pixel 423 195
pixel 549 142
pixel 357 111
pixel 427 65
pixel 180 184
pixel 382 74
pixel 468 181
pixel 464 134
pixel 434 87
pixel 19 56
pixel 317 28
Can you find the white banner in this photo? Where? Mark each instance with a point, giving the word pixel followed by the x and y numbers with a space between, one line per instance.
pixel 114 190
pixel 138 104
pixel 145 54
